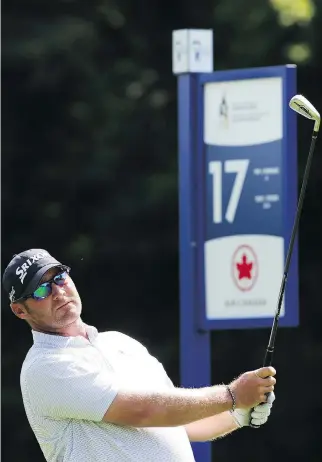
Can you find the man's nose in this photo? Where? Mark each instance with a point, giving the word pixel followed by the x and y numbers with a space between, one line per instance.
pixel 57 290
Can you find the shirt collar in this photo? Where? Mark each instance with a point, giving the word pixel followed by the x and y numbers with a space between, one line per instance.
pixel 59 341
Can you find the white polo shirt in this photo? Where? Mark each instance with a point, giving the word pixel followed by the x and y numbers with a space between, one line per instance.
pixel 67 385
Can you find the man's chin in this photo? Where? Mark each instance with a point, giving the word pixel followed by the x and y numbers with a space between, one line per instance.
pixel 70 310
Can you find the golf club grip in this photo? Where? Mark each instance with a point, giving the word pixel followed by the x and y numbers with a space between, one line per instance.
pixel 268 359
pixel 267 362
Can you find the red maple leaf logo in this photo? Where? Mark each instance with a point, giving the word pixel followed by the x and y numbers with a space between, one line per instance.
pixel 244 268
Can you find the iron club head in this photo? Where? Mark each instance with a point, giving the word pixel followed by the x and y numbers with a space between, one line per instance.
pixel 302 106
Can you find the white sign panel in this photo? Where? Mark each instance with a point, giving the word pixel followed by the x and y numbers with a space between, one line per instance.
pixel 249 269
pixel 243 112
pixel 192 51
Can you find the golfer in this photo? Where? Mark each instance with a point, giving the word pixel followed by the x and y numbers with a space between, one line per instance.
pixel 95 397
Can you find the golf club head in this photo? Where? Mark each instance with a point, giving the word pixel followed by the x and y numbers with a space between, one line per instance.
pixel 302 106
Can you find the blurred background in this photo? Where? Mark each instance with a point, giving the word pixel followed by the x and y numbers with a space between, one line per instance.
pixel 90 173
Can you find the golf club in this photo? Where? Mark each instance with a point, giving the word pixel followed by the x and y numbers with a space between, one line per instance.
pixel 303 107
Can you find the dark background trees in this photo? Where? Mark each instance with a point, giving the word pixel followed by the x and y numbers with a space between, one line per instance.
pixel 89 172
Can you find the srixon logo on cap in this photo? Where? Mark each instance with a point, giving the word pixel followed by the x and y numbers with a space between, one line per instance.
pixel 22 270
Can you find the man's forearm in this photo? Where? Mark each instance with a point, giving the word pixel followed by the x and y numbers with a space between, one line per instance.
pixel 178 407
pixel 171 408
pixel 212 427
pixel 184 406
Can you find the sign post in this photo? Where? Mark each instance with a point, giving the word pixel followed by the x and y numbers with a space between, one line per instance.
pixel 237 200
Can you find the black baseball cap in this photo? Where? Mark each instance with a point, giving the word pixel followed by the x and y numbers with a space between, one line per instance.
pixel 24 272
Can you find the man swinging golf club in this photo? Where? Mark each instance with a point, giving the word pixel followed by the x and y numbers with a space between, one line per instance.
pixel 99 397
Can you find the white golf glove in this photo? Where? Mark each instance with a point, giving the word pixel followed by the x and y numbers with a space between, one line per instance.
pixel 258 417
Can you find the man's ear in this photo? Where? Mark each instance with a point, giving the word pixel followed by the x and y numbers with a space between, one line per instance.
pixel 19 310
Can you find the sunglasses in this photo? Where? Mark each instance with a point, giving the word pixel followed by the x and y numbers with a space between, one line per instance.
pixel 45 289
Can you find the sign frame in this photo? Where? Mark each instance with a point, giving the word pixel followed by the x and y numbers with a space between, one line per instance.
pixel 289 197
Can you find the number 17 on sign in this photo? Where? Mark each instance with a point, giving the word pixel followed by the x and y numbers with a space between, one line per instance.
pixel 216 168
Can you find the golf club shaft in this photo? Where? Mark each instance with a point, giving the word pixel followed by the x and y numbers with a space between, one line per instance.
pixel 268 358
pixel 270 348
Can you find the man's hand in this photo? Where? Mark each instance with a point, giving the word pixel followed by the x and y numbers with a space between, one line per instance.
pixel 251 388
pixel 258 416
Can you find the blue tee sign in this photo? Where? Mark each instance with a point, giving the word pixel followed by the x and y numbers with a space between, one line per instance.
pixel 248 169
